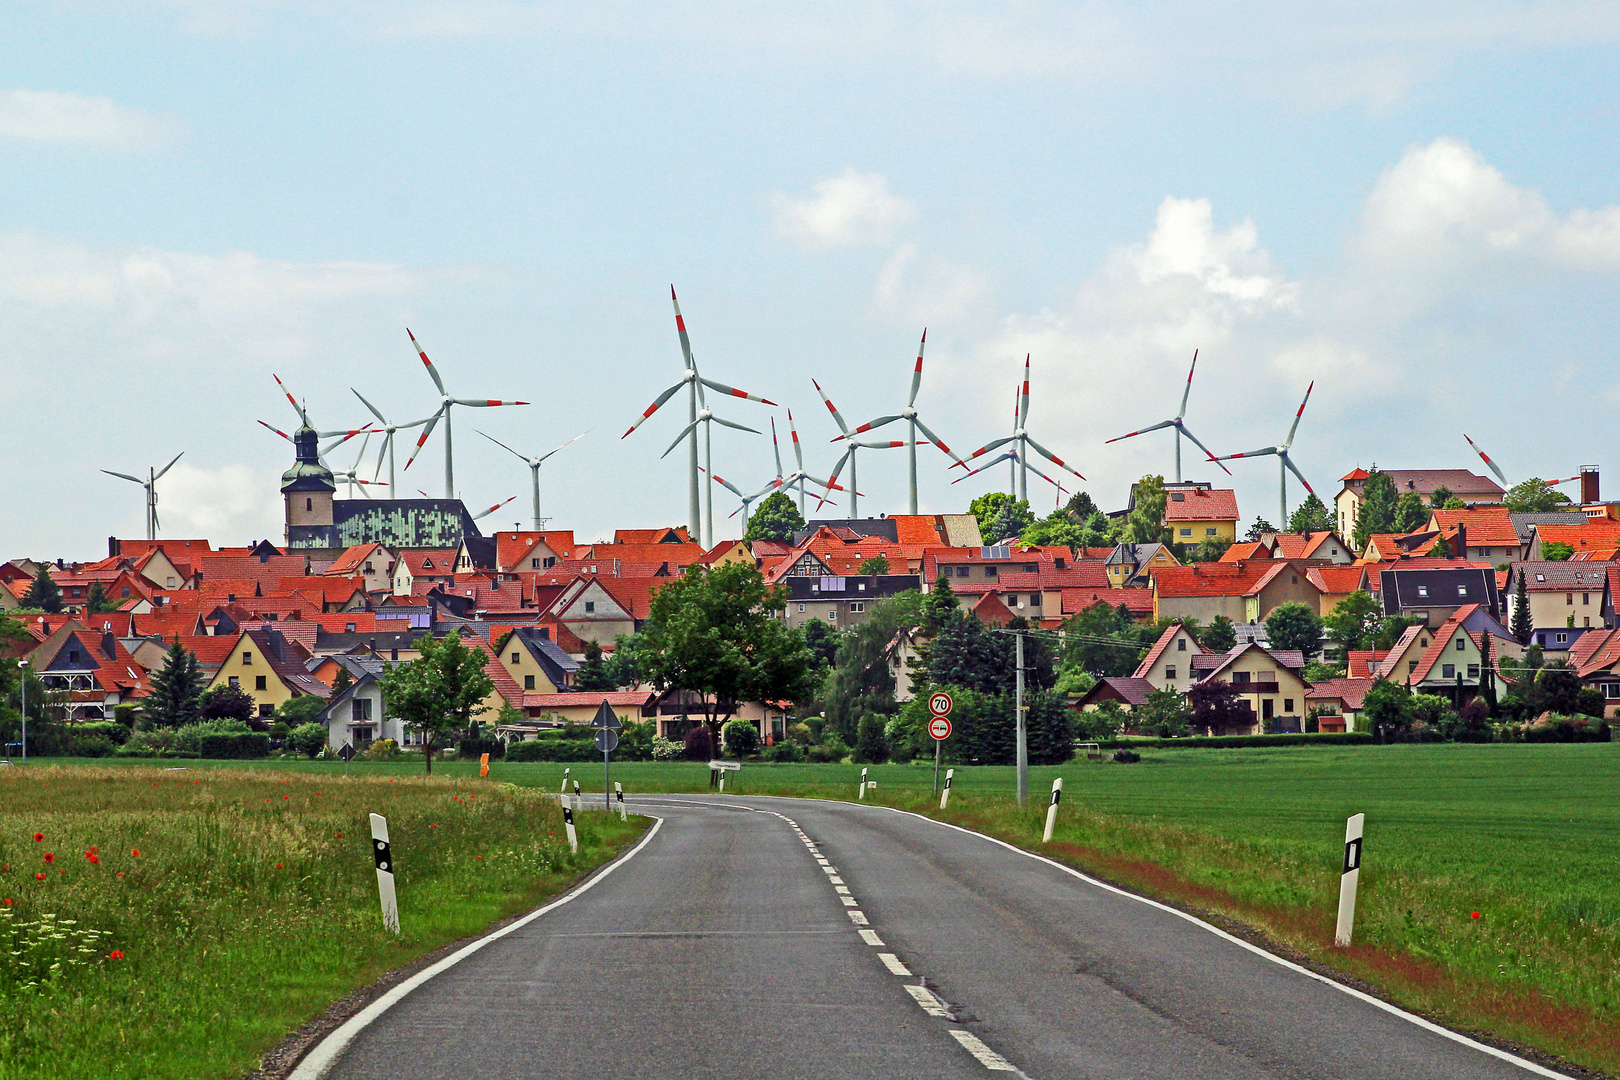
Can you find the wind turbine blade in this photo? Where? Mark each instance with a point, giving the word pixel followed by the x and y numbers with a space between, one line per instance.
pixel 832 481
pixel 989 464
pixel 937 441
pixel 1188 389
pixel 1251 453
pixel 680 328
pixel 297 408
pixel 1049 456
pixel 424 494
pixel 1049 480
pixel 1486 458
pixel 1289 463
pixel 1295 426
pixel 491 510
pixel 985 449
pixel 570 442
pixel 361 456
pixel 278 431
pixel 1023 399
pixel 1141 431
pixel 485 403
pixel 872 425
pixel 433 422
pixel 798 454
pixel 878 444
pixel 380 417
pixel 169 466
pixel 665 396
pixel 503 446
pixel 1208 453
pixel 685 431
pixel 766 490
pixel 727 484
pixel 776 449
pixel 831 408
pixel 433 371
pixel 125 476
pixel 916 374
pixel 722 388
pixel 382 452
pixel 729 424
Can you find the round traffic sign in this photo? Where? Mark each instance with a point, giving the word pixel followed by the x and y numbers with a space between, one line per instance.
pixel 940 727
pixel 607 740
pixel 939 703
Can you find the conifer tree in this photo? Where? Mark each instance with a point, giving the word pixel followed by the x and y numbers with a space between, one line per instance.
pixel 1523 625
pixel 176 689
pixel 44 594
pixel 1310 516
pixel 1377 513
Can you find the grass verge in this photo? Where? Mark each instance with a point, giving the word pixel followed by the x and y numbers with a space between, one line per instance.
pixel 178 923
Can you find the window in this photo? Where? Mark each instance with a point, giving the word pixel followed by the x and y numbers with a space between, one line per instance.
pixel 348 627
pixel 247 658
pixel 1561 638
pixel 235 682
pixel 1586 620
pixel 1209 530
pixel 857 605
pixel 1411 666
pixel 1181 644
pixel 1178 496
pixel 1186 532
pixel 1569 599
pixel 515 658
pixel 259 683
pixel 534 564
pixel 1293 579
pixel 360 710
pixel 1170 671
pixel 1240 677
pixel 267 710
pixel 832 614
pixel 1423 643
pixel 1423 590
pixel 1473 671
pixel 1448 671
pixel 990 571
pixel 170 582
pixel 1486 552
pixel 369 570
pixel 528 682
pixel 73 656
pixel 1288 704
pixel 1462 590
pixel 1586 597
pixel 590 607
pixel 1611 690
pixel 1459 644
pixel 801 608
pixel 309 504
pixel 962 571
pixel 1029 568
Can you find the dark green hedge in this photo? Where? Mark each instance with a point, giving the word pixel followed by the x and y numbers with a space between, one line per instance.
pixel 245 744
pixel 1348 738
pixel 553 749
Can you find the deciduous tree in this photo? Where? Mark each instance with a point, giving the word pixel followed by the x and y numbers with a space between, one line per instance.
pixel 1354 620
pixel 1294 626
pixel 1146 521
pixel 877 564
pixel 776 518
pixel 1534 496
pixel 438 693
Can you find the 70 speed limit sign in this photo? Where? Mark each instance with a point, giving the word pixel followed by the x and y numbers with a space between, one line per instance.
pixel 939 703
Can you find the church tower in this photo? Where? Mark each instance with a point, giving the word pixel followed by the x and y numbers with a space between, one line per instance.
pixel 307 490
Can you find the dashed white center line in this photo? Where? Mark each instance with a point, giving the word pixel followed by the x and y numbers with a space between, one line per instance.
pixel 926 1000
pixel 842 890
pixel 857 917
pixel 871 938
pixel 834 879
pixel 829 870
pixel 892 962
pixel 987 1057
pixel 849 901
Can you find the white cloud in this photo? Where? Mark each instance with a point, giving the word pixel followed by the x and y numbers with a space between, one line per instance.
pixel 230 503
pixel 1184 243
pixel 1443 207
pixel 927 289
pixel 846 210
pixel 55 116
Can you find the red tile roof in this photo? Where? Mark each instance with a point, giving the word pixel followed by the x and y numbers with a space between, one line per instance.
pixel 1308 545
pixel 1352 693
pixel 1139 602
pixel 1441 642
pixel 352 559
pixel 1245 552
pixel 1359 663
pixel 1485 525
pixel 1216 579
pixel 1158 648
pixel 1335 580
pixel 1598 534
pixel 1202 504
pixel 1594 651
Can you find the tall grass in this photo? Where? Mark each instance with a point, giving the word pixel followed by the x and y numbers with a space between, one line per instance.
pixel 225 908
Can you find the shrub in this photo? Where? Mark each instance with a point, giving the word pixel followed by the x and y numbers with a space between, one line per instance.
pixel 667 749
pixel 1348 738
pixel 870 746
pixel 115 733
pixel 699 747
pixel 472 749
pixel 833 750
pixel 800 733
pixel 1552 728
pixel 785 752
pixel 905 735
pixel 126 715
pixel 740 737
pixel 1127 757
pixel 93 746
pixel 307 739
pixel 237 746
pixel 382 750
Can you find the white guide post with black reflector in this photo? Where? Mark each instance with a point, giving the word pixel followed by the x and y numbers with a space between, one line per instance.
pixel 618 792
pixel 1051 811
pixel 568 823
pixel 578 803
pixel 564 789
pixel 385 872
pixel 863 783
pixel 945 795
pixel 1349 880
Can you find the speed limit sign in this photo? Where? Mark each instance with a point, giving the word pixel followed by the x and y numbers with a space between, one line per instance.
pixel 940 727
pixel 939 703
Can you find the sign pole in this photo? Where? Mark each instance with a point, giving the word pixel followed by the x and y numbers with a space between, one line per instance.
pixel 939 727
pixel 1023 733
pixel 937 745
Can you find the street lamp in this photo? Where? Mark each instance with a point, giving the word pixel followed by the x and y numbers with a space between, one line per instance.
pixel 22 688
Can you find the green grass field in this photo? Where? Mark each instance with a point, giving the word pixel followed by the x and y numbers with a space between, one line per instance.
pixel 224 908
pixel 1526 835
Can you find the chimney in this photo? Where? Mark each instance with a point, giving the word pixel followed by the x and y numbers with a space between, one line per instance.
pixel 1589 484
pixel 1460 549
pixel 112 547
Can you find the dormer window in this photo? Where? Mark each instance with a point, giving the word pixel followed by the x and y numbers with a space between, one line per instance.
pixel 1541 577
pixel 1423 590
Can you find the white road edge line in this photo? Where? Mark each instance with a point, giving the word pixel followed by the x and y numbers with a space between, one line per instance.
pixel 320 1060
pixel 975 1046
pixel 1393 1010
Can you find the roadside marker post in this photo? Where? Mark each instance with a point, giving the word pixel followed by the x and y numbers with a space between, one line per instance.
pixel 863 784
pixel 945 796
pixel 568 823
pixel 483 764
pixel 1351 877
pixel 564 789
pixel 618 792
pixel 1051 811
pixel 384 857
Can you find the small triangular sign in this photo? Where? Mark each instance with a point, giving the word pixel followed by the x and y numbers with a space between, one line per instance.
pixel 606 718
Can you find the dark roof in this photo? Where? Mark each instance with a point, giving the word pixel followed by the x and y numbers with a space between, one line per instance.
pixel 854 587
pixel 328 642
pixel 482 550
pixel 1131 691
pixel 397 523
pixel 883 528
pixel 1522 522
pixel 1547 576
pixel 1400 588
pixel 559 666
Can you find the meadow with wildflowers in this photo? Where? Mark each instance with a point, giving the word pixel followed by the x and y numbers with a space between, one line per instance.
pixel 161 923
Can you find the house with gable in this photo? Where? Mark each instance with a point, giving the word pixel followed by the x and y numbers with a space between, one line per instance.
pixel 1196 512
pixel 1487 532
pixel 427 566
pixel 601 608
pixel 1596 658
pixel 1566 599
pixel 1168 664
pixel 1129 565
pixel 1268 681
pixel 1468 488
pixel 372 563
pixel 536 662
pixel 92 671
pixel 1245 592
pixel 269 669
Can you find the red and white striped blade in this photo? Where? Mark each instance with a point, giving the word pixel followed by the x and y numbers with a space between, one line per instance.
pixel 831 408
pixel 665 396
pixel 431 424
pixel 485 403
pixel 433 371
pixel 922 427
pixel 1049 456
pixel 722 388
pixel 278 431
pixel 916 374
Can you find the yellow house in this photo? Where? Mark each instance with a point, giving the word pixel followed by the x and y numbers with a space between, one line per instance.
pixel 1272 690
pixel 1133 564
pixel 1196 514
pixel 535 662
pixel 727 552
pixel 269 669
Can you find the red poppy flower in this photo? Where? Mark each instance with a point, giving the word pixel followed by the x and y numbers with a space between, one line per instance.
pixel 6 902
pixel 286 796
pixel 39 877
pixel 38 837
pixel 478 856
pixel 120 873
pixel 94 850
pixel 6 867
pixel 135 852
pixel 1475 915
pixel 279 866
pixel 50 857
pixel 116 954
pixel 93 858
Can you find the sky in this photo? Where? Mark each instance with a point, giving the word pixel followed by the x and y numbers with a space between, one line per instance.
pixel 1413 207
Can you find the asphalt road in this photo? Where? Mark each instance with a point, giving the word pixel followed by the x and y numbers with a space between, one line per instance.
pixel 773 938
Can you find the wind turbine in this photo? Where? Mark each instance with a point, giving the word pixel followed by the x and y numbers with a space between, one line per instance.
pixel 1022 444
pixel 337 437
pixel 1285 464
pixel 352 475
pixel 1486 458
pixel 445 404
pixel 848 458
pixel 798 478
pixel 534 469
pixel 1014 460
pixel 1180 426
pixel 913 423
pixel 699 412
pixel 387 447
pixel 747 500
pixel 150 484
